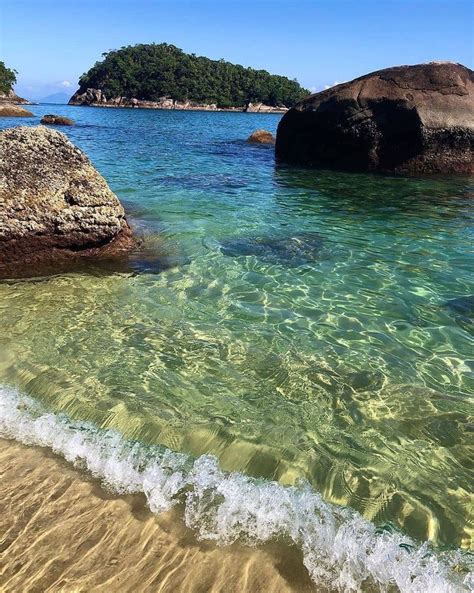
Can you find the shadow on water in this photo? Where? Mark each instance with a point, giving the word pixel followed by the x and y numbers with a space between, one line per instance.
pixel 153 256
pixel 243 149
pixel 463 310
pixel 392 195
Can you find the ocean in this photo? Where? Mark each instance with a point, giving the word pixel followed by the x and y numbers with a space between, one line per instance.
pixel 290 356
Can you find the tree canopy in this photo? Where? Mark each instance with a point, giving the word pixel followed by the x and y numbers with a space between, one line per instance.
pixel 149 72
pixel 7 78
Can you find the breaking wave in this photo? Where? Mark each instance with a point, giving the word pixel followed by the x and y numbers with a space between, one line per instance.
pixel 341 550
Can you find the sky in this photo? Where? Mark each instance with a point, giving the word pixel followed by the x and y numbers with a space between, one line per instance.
pixel 319 42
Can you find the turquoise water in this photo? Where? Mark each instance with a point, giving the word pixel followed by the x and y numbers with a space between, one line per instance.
pixel 297 325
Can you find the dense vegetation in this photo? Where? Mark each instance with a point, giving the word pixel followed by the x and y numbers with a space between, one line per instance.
pixel 7 78
pixel 149 72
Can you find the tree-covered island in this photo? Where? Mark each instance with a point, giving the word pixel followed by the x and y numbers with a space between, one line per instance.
pixel 149 72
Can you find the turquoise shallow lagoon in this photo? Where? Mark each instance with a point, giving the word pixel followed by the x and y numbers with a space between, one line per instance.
pixel 297 325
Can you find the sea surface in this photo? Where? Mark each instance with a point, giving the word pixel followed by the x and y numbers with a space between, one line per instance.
pixel 291 356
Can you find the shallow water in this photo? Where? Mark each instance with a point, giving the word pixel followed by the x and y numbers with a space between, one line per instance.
pixel 301 324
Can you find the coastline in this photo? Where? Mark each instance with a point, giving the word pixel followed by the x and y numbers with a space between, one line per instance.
pixel 96 98
pixel 63 532
pixel 338 547
pixel 202 108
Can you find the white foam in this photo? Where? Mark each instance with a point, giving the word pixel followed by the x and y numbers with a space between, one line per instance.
pixel 341 549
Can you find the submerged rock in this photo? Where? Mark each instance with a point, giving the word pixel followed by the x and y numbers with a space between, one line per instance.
pixel 54 205
pixel 56 120
pixel 463 305
pixel 415 119
pixel 296 250
pixel 11 110
pixel 261 137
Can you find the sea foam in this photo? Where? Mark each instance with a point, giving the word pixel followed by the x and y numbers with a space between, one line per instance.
pixel 341 550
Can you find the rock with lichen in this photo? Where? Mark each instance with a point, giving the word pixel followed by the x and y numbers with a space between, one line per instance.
pixel 54 205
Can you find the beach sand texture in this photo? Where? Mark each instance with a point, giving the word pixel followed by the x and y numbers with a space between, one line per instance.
pixel 62 532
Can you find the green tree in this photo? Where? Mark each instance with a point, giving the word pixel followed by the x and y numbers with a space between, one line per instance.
pixel 7 78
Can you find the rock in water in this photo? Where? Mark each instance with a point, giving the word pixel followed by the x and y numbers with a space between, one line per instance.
pixel 297 250
pixel 53 204
pixel 11 110
pixel 463 305
pixel 56 120
pixel 414 119
pixel 261 137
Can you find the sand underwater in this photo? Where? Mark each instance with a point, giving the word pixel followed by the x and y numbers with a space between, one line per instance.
pixel 276 398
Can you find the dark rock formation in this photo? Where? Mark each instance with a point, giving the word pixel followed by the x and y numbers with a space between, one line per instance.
pixel 414 119
pixel 261 137
pixel 53 204
pixel 12 110
pixel 56 120
pixel 89 97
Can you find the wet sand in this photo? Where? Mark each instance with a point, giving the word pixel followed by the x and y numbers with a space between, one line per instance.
pixel 61 531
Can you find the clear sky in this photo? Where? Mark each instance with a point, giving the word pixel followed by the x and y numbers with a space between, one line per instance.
pixel 52 42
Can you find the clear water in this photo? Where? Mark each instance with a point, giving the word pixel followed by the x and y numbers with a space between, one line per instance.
pixel 298 324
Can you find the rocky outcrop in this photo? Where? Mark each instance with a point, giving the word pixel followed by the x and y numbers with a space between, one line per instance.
pixel 54 205
pixel 93 97
pixel 11 110
pixel 262 108
pixel 12 97
pixel 413 119
pixel 96 98
pixel 261 137
pixel 56 120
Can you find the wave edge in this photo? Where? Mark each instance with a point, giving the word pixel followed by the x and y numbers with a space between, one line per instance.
pixel 341 549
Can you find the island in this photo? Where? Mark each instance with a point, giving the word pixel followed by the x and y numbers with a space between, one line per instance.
pixel 162 76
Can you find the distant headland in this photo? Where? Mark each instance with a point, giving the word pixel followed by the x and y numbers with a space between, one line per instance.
pixel 7 80
pixel 162 76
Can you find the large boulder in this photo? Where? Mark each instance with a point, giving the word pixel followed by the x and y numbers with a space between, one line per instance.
pixel 12 110
pixel 414 119
pixel 53 204
pixel 261 137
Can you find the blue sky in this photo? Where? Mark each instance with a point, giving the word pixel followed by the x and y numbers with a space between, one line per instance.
pixel 319 42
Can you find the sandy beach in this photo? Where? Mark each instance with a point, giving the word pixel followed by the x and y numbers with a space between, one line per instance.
pixel 61 531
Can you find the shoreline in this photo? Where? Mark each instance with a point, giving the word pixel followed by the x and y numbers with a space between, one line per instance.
pixel 63 532
pixel 202 109
pixel 96 98
pixel 339 548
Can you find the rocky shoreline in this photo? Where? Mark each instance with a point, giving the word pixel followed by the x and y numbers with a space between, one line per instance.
pixel 96 98
pixel 12 97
